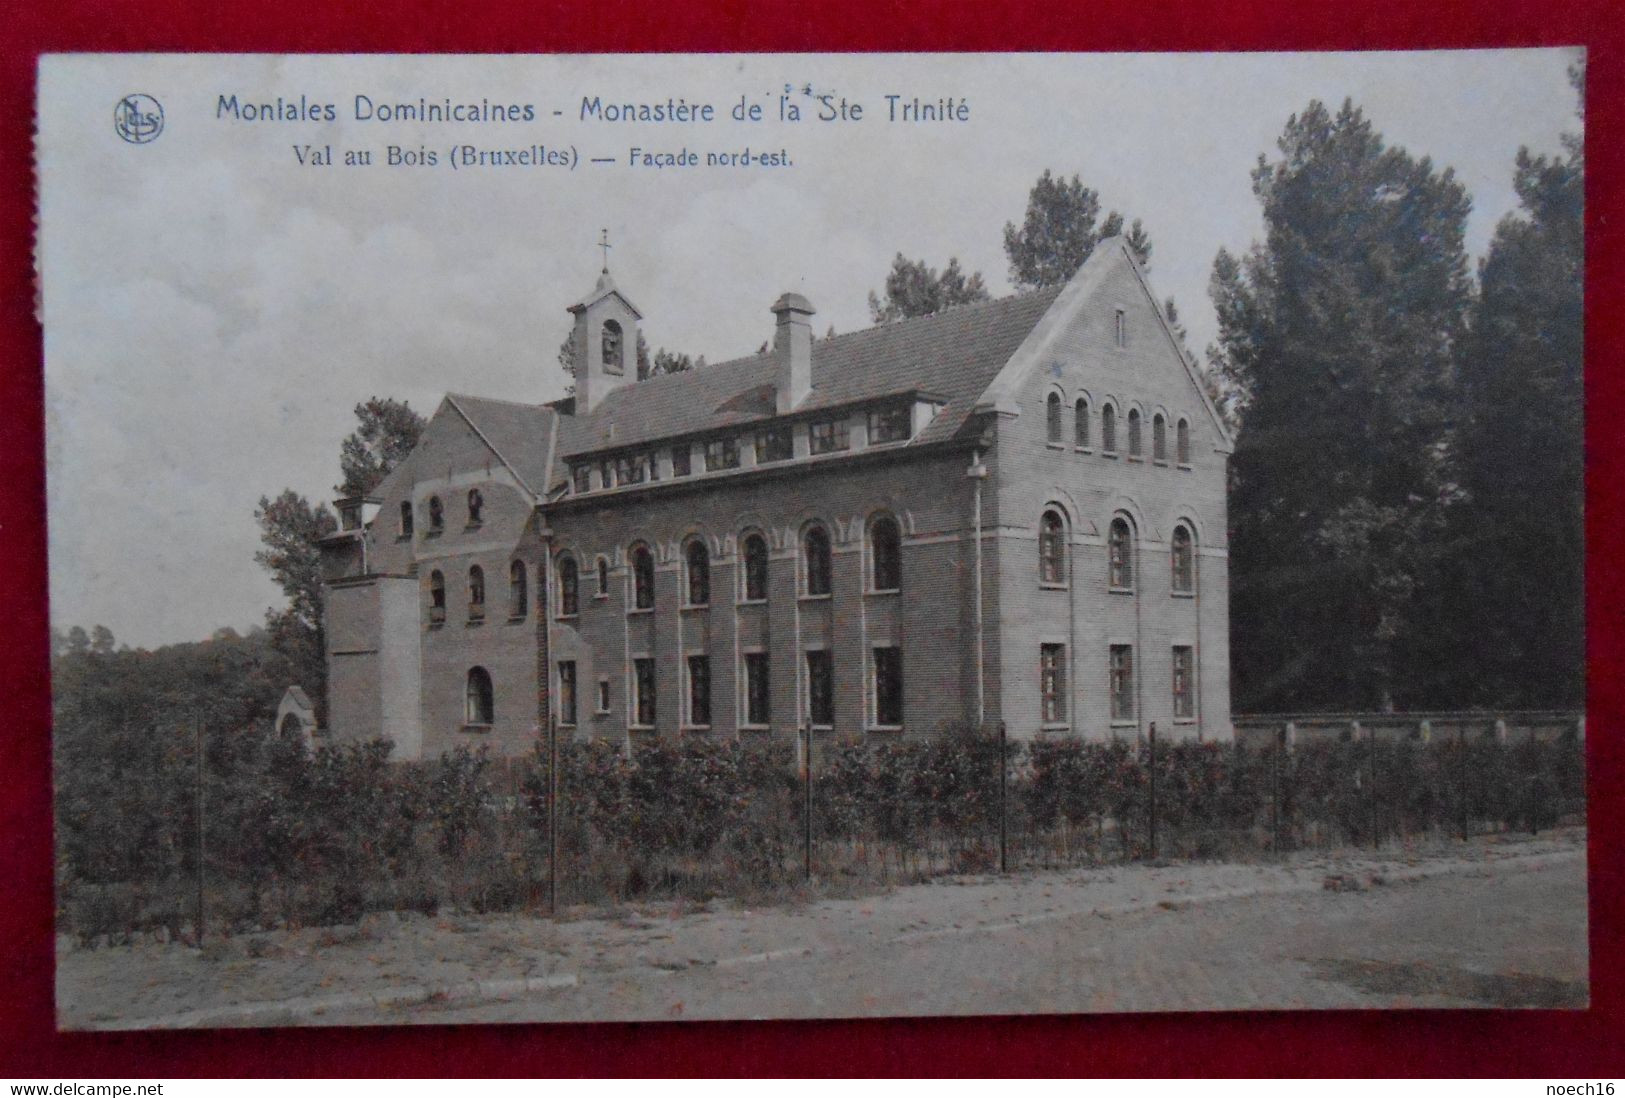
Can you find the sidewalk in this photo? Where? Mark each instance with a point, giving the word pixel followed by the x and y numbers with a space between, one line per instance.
pixel 392 962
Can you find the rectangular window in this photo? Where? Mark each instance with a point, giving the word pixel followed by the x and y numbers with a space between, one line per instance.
pixel 721 453
pixel 829 436
pixel 1052 682
pixel 1122 682
pixel 1184 682
pixel 699 691
pixel 605 472
pixel 643 681
pixel 1122 329
pixel 890 424
pixel 581 478
pixel 888 686
pixel 681 461
pixel 821 688
pixel 758 708
pixel 774 444
pixel 406 519
pixel 567 691
pixel 603 695
pixel 629 469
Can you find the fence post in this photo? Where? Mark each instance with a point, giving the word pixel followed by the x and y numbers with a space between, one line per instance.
pixel 1461 780
pixel 1152 739
pixel 1275 791
pixel 197 734
pixel 1376 836
pixel 1004 794
pixel 552 815
pixel 806 801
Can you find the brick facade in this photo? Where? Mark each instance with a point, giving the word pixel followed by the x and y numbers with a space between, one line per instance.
pixel 971 386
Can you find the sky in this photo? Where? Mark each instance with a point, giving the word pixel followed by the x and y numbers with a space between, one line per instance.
pixel 214 308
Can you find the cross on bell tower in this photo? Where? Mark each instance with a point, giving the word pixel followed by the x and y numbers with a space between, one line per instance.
pixel 605 338
pixel 603 242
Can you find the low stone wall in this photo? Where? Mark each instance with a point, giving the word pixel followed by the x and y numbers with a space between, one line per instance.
pixel 1509 726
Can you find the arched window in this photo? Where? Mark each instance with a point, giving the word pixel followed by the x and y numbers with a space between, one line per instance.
pixel 569 587
pixel 601 568
pixel 815 556
pixel 476 506
pixel 1052 548
pixel 406 518
pixel 697 561
pixel 480 703
pixel 612 349
pixel 437 515
pixel 1053 412
pixel 1182 442
pixel 754 550
pixel 476 592
pixel 1134 432
pixel 885 554
pixel 1108 429
pixel 1080 424
pixel 437 596
pixel 1182 561
pixel 1159 438
pixel 518 600
pixel 1120 550
pixel 643 578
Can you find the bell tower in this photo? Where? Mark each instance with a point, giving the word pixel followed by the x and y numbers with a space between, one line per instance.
pixel 605 339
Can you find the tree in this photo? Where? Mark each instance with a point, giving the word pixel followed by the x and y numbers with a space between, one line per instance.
pixel 291 531
pixel 1339 331
pixel 915 289
pixel 388 430
pixel 1059 233
pixel 1519 535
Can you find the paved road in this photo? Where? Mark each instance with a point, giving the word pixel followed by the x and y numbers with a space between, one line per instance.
pixel 1514 939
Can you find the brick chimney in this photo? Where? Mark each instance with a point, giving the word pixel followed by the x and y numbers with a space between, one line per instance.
pixel 792 350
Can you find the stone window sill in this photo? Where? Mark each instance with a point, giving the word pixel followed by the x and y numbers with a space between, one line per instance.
pixel 1136 460
pixel 1055 726
pixel 1183 594
pixel 1113 454
pixel 639 610
pixel 755 728
pixel 1055 445
pixel 696 606
pixel 1084 449
pixel 1184 720
pixel 884 591
pixel 1051 586
pixel 1160 461
pixel 1185 465
pixel 1121 590
pixel 815 598
pixel 752 602
pixel 1125 722
pixel 569 617
pixel 884 728
pixel 516 619
pixel 476 728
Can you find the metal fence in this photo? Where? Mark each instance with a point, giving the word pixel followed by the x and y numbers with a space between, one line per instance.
pixel 240 831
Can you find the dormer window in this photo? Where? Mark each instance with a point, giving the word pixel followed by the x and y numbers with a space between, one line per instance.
pixel 476 506
pixel 581 479
pixel 682 460
pixel 773 444
pixel 629 470
pixel 893 424
pixel 829 436
pixel 721 453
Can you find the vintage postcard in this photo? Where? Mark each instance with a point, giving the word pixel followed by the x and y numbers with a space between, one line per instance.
pixel 577 538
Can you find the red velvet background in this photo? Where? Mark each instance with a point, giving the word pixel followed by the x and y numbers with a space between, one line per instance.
pixel 1540 1043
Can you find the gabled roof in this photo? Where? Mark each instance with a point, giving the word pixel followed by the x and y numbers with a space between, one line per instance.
pixel 951 356
pixel 521 435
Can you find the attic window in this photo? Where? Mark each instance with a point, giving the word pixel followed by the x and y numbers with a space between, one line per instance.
pixel 893 424
pixel 682 460
pixel 629 469
pixel 773 444
pixel 721 453
pixel 828 436
pixel 581 478
pixel 1122 329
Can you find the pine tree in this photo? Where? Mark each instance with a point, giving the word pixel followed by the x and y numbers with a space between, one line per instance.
pixel 1518 561
pixel 915 289
pixel 1059 232
pixel 1338 332
pixel 387 431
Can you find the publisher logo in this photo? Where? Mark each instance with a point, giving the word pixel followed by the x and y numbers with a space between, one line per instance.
pixel 138 118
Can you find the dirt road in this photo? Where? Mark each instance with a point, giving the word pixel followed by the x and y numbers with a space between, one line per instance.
pixel 1490 923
